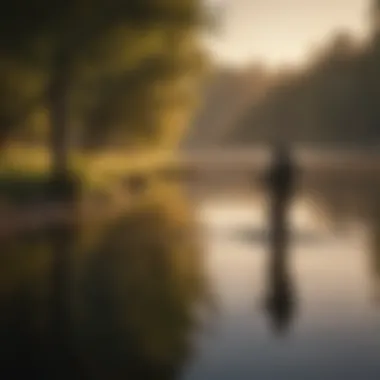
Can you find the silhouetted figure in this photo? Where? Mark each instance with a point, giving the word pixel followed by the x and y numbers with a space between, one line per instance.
pixel 281 175
pixel 280 187
pixel 280 298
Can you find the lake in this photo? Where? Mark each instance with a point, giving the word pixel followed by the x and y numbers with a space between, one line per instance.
pixel 181 287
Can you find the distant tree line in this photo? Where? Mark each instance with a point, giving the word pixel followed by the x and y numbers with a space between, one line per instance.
pixel 335 99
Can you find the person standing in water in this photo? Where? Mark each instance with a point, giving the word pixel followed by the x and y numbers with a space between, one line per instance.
pixel 280 183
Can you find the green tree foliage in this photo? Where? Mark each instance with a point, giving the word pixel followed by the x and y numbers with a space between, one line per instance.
pixel 21 92
pixel 97 65
pixel 149 101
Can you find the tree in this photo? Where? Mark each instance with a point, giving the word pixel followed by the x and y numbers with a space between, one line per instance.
pixel 134 104
pixel 375 17
pixel 83 44
pixel 333 99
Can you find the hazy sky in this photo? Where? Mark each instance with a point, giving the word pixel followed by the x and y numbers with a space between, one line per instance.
pixel 279 31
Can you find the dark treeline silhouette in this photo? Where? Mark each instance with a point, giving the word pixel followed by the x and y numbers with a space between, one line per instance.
pixel 332 98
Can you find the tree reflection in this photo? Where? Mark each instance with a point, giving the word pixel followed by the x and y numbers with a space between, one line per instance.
pixel 140 294
pixel 34 302
pixel 374 248
pixel 123 305
pixel 348 196
pixel 280 303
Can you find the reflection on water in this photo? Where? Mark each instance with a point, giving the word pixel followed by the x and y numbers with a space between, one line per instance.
pixel 124 306
pixel 280 301
pixel 142 283
pixel 130 298
pixel 352 201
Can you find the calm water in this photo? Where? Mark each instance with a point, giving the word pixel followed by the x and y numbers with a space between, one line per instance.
pixel 179 287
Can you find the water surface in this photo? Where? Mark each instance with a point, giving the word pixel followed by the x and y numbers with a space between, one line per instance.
pixel 178 288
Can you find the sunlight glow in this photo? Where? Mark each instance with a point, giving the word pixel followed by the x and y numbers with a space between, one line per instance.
pixel 281 31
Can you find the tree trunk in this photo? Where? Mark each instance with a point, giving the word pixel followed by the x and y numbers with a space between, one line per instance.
pixel 59 117
pixel 62 185
pixel 5 131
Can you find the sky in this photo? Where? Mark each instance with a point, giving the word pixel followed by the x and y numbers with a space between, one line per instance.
pixel 281 31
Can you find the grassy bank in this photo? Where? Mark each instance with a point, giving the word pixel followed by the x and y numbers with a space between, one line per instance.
pixel 24 171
